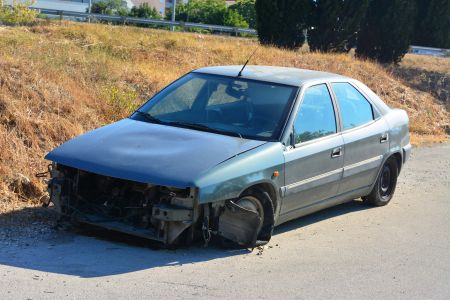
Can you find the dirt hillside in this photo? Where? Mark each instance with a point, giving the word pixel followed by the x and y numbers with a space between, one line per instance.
pixel 60 80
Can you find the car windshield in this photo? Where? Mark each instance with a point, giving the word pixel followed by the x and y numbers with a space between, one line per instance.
pixel 226 105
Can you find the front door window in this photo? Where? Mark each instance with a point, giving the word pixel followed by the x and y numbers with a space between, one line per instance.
pixel 316 117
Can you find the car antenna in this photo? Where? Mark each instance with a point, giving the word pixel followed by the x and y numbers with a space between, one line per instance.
pixel 250 57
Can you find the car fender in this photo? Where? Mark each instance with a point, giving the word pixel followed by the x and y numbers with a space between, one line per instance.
pixel 399 137
pixel 230 178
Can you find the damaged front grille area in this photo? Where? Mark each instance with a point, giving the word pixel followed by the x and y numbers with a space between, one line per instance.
pixel 151 211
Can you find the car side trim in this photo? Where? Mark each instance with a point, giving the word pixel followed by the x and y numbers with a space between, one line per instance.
pixel 327 177
pixel 311 182
pixel 362 166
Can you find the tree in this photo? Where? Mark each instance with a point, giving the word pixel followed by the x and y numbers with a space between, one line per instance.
pixel 246 8
pixel 282 22
pixel 432 23
pixel 234 19
pixel 208 12
pixel 180 12
pixel 386 30
pixel 18 13
pixel 107 7
pixel 334 24
pixel 144 11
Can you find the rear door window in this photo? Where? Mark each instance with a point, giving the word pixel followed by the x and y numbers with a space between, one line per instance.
pixel 354 107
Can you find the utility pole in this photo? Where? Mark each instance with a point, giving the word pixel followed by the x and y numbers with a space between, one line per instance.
pixel 174 4
pixel 89 11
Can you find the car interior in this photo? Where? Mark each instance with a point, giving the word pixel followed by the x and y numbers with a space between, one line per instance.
pixel 249 108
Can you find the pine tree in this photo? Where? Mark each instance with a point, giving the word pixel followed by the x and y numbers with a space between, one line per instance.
pixel 334 24
pixel 432 23
pixel 386 31
pixel 282 22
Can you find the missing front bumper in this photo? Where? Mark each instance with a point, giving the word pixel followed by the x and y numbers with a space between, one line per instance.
pixel 153 212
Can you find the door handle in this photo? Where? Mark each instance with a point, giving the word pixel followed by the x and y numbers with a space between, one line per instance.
pixel 384 137
pixel 336 152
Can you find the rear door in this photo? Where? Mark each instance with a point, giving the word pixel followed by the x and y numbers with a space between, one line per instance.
pixel 313 167
pixel 365 134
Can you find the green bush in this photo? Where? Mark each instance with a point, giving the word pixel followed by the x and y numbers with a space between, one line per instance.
pixel 246 8
pixel 206 11
pixel 18 13
pixel 213 12
pixel 144 11
pixel 122 100
pixel 234 19
pixel 109 7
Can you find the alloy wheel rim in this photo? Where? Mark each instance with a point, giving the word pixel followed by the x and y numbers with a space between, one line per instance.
pixel 386 182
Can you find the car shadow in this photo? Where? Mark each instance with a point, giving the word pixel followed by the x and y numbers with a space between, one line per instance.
pixel 27 241
pixel 97 254
pixel 339 210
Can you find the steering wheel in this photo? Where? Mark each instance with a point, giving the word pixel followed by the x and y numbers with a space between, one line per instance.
pixel 214 115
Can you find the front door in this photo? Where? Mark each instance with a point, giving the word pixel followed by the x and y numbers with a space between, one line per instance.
pixel 313 167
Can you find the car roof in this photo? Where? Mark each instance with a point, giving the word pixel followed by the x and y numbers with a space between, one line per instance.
pixel 281 75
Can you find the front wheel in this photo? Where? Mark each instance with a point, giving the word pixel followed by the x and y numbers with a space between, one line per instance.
pixel 384 188
pixel 260 204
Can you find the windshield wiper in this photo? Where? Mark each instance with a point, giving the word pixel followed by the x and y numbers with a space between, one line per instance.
pixel 149 117
pixel 204 128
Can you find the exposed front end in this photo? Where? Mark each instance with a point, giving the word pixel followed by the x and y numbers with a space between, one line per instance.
pixel 160 213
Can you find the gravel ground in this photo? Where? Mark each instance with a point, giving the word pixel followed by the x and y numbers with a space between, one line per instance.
pixel 25 227
pixel 400 251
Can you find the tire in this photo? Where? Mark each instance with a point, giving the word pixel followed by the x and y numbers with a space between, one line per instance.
pixel 384 187
pixel 262 200
pixel 266 230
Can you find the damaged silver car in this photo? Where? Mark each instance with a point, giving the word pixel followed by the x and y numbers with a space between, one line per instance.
pixel 230 153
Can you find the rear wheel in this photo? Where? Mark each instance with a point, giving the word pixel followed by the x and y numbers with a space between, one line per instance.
pixel 384 188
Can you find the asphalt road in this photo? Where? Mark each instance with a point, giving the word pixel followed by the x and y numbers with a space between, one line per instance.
pixel 401 251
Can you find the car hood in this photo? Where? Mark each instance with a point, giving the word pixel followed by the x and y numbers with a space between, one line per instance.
pixel 149 153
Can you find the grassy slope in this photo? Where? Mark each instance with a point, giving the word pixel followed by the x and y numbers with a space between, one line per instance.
pixel 58 81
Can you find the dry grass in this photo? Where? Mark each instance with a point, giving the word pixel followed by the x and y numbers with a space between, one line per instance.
pixel 427 74
pixel 60 80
